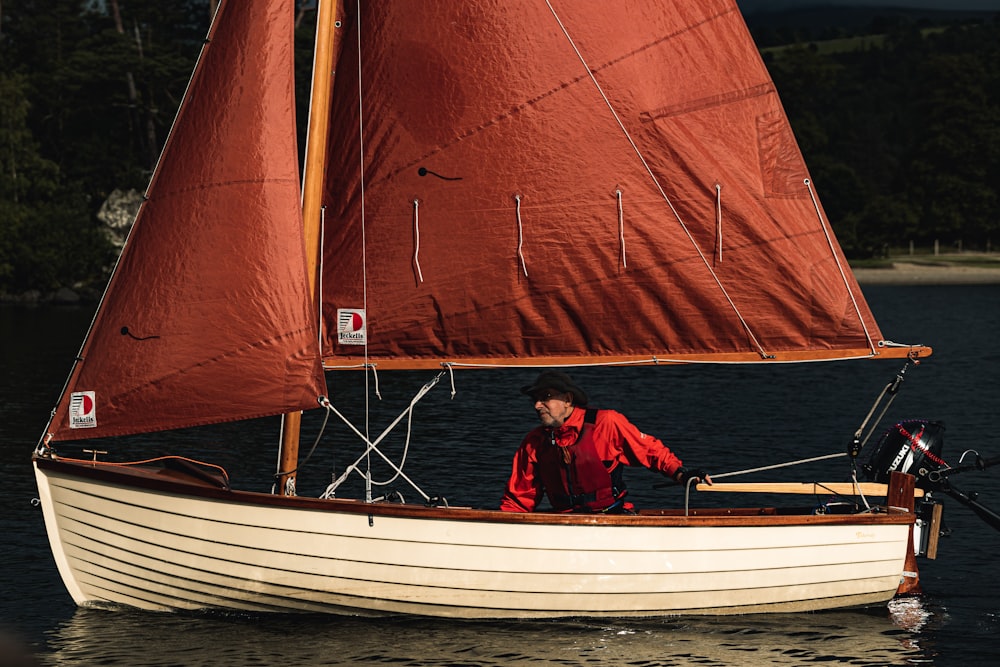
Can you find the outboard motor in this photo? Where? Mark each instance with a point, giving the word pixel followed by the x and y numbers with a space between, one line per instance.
pixel 913 447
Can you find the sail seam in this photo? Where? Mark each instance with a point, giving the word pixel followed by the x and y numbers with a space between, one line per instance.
pixel 708 102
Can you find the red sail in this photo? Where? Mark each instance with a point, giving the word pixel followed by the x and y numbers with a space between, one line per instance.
pixel 482 222
pixel 208 317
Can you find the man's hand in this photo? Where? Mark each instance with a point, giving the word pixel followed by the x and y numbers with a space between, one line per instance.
pixel 685 475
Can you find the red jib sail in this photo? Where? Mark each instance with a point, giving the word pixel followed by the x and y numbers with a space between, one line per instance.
pixel 208 316
pixel 572 181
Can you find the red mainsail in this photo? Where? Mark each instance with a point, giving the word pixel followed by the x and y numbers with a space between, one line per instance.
pixel 572 181
pixel 208 316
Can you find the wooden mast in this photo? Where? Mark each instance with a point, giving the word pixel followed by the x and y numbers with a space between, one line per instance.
pixel 312 191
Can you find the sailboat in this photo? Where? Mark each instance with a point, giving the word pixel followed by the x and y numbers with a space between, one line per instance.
pixel 545 183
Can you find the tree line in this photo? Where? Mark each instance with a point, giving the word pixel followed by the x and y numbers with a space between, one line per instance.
pixel 902 133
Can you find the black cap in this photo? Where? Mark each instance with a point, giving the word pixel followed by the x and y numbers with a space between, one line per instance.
pixel 558 381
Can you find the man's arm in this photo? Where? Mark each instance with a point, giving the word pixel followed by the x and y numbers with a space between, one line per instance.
pixel 524 489
pixel 638 448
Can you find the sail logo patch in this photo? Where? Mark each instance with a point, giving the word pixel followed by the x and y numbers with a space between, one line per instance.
pixel 352 326
pixel 82 410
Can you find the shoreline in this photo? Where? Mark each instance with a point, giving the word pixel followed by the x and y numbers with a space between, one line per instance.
pixel 920 273
pixel 899 272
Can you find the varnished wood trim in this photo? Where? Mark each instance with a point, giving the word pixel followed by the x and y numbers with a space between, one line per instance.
pixel 175 481
pixel 919 351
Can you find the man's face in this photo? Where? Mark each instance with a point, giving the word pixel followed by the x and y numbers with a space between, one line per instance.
pixel 553 407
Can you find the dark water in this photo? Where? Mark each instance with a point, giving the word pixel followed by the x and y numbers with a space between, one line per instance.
pixel 724 418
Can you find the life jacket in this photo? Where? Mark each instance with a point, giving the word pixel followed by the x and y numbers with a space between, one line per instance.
pixel 575 477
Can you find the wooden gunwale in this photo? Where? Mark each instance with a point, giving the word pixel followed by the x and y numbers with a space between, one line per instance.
pixel 168 481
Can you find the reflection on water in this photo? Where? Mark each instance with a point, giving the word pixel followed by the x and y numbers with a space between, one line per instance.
pixel 138 638
pixel 724 418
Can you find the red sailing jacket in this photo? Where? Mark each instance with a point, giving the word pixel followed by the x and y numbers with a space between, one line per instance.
pixel 616 440
pixel 575 477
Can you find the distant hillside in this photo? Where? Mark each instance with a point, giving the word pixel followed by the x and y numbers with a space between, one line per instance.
pixel 818 22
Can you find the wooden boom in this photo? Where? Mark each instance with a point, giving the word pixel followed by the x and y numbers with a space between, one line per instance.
pixel 873 489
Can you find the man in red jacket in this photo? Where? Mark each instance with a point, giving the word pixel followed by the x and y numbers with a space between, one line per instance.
pixel 577 455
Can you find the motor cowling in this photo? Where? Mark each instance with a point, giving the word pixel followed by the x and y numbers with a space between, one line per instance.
pixel 913 447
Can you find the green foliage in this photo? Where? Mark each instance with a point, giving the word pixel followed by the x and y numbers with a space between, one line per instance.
pixel 902 133
pixel 45 240
pixel 901 129
pixel 86 99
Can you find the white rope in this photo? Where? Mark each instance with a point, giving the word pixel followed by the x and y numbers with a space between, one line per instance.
pixel 451 377
pixel 787 464
pixel 520 235
pixel 779 465
pixel 374 370
pixel 364 246
pixel 372 445
pixel 840 267
pixel 621 227
pixel 857 487
pixel 718 219
pixel 416 234
pixel 652 176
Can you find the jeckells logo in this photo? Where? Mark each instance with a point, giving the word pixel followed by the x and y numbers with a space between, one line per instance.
pixel 82 409
pixel 352 326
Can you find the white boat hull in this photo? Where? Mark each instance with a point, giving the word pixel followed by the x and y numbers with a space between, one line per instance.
pixel 121 539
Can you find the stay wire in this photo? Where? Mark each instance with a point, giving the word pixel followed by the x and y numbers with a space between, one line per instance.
pixel 319 436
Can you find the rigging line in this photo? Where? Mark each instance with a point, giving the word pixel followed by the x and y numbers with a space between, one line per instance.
pixel 364 245
pixel 373 445
pixel 840 267
pixel 406 448
pixel 778 465
pixel 312 450
pixel 621 227
pixel 520 234
pixel 451 376
pixel 277 463
pixel 891 389
pixel 416 235
pixel 374 370
pixel 656 182
pixel 857 487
